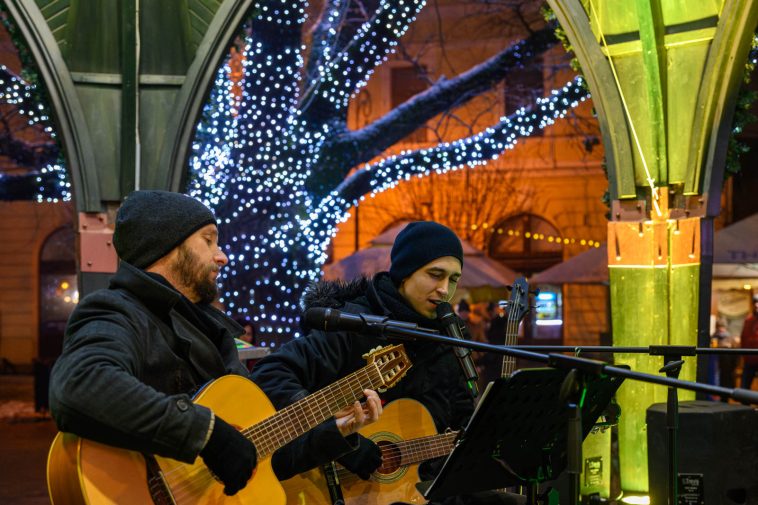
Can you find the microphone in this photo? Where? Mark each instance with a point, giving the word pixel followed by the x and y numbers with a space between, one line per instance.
pixel 333 320
pixel 448 318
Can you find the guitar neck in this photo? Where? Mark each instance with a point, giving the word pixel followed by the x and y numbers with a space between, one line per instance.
pixel 509 362
pixel 518 306
pixel 421 449
pixel 292 421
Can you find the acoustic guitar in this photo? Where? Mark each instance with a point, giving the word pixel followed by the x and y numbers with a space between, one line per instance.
pixel 406 435
pixel 80 471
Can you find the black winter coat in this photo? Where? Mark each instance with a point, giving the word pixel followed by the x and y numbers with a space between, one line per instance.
pixel 307 364
pixel 131 359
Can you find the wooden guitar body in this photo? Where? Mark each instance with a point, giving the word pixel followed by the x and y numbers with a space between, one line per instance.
pixel 80 471
pixel 401 420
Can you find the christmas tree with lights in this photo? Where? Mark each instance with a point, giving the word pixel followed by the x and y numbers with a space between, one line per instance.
pixel 273 151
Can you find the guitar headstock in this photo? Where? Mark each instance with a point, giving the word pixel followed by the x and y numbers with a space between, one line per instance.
pixel 518 305
pixel 391 362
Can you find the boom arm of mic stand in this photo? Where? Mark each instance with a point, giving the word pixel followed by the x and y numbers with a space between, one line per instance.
pixel 568 362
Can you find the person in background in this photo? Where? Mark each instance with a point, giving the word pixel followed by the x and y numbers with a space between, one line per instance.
pixel 475 323
pixel 727 363
pixel 490 364
pixel 749 340
pixel 249 335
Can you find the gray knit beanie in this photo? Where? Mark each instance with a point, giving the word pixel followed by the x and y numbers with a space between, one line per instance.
pixel 150 224
pixel 419 243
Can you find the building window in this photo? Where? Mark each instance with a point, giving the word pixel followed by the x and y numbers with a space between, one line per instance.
pixel 523 86
pixel 405 83
pixel 526 243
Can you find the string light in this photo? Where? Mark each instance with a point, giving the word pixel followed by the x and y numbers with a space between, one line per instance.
pixel 553 239
pixel 260 141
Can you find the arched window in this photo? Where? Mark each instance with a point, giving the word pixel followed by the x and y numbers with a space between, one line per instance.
pixel 526 243
pixel 58 289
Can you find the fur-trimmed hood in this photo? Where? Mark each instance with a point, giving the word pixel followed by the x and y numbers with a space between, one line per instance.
pixel 333 294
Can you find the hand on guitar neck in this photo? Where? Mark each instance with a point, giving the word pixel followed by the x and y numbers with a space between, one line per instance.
pixel 353 418
pixel 367 457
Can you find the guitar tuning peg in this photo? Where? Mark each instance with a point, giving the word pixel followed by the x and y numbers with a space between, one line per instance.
pixel 535 291
pixel 509 287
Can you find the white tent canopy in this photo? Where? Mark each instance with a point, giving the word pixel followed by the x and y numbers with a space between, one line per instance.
pixel 738 242
pixel 589 267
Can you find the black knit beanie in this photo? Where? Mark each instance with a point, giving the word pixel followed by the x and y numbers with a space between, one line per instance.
pixel 419 243
pixel 150 224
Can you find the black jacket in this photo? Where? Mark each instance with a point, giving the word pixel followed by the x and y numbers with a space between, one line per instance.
pixel 132 357
pixel 307 364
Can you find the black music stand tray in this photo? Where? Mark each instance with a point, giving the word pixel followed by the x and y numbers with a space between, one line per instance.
pixel 518 433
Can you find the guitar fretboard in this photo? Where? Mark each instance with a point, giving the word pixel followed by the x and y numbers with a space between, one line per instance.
pixel 516 310
pixel 292 421
pixel 423 448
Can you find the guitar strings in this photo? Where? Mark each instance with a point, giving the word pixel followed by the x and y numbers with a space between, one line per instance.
pixel 311 411
pixel 511 332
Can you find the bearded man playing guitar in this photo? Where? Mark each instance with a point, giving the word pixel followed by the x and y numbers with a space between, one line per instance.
pixel 426 264
pixel 134 352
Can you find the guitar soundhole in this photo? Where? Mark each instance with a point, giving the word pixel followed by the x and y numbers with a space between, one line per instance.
pixel 390 457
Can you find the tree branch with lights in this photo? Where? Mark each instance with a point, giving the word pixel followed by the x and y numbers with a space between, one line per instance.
pixel 343 152
pixel 471 151
pixel 41 176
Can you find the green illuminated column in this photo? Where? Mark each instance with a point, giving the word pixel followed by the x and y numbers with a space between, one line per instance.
pixel 654 267
pixel 664 76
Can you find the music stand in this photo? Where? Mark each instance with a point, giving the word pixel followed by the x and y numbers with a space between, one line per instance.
pixel 518 434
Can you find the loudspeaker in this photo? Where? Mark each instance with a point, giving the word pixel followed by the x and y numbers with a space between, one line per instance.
pixel 718 453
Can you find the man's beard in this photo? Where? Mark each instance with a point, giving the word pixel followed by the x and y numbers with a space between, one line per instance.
pixel 194 276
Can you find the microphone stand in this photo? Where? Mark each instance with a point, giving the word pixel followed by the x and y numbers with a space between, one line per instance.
pixel 573 386
pixel 671 367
